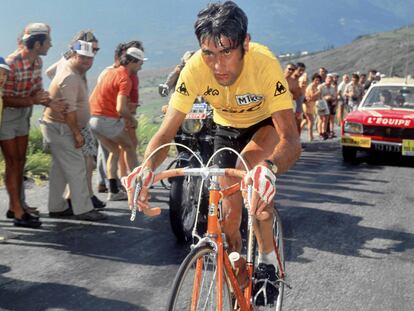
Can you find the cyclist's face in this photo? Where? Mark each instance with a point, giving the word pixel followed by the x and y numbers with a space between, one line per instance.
pixel 225 62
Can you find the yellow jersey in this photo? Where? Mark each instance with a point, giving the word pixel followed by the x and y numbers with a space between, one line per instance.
pixel 259 91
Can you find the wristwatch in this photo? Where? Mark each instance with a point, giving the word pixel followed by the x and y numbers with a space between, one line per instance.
pixel 272 166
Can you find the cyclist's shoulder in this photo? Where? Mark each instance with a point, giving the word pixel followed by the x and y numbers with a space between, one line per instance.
pixel 260 53
pixel 260 60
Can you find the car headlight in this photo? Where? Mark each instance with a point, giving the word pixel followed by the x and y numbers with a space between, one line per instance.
pixel 353 127
pixel 192 126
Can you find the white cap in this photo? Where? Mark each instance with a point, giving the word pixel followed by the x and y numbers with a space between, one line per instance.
pixel 136 53
pixel 83 48
pixel 35 29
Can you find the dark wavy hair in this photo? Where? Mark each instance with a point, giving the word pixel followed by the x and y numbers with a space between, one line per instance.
pixel 222 19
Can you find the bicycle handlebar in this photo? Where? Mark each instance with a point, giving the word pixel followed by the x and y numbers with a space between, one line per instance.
pixel 204 172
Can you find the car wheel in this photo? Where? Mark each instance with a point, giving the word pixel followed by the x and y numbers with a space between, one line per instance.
pixel 349 154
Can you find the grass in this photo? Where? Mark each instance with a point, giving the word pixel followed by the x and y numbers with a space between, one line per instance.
pixel 37 161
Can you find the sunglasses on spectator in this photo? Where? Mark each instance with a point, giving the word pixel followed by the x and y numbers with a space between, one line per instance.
pixel 291 68
pixel 95 50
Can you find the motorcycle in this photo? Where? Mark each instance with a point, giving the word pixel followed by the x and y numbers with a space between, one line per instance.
pixel 197 133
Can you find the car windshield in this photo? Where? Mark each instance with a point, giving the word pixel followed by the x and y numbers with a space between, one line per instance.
pixel 395 96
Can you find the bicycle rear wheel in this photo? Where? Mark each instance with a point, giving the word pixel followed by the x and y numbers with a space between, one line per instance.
pixel 280 267
pixel 195 287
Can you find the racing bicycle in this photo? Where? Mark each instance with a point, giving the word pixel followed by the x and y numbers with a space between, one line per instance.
pixel 208 278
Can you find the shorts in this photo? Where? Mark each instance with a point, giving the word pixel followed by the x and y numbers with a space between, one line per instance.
pixel 332 108
pixel 106 126
pixel 89 148
pixel 298 106
pixel 15 122
pixel 235 138
pixel 322 107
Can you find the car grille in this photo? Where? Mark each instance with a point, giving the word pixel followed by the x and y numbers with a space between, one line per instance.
pixel 391 132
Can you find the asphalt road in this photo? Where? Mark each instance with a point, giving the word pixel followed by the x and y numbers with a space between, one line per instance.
pixel 349 245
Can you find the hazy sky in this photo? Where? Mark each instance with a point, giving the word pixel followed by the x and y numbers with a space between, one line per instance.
pixel 153 22
pixel 113 22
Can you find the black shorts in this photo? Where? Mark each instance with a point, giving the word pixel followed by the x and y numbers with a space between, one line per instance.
pixel 236 138
pixel 332 108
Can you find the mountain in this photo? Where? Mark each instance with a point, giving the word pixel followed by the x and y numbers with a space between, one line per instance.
pixel 166 26
pixel 392 53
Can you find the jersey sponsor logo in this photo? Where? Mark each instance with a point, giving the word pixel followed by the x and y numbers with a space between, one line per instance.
pixel 182 89
pixel 388 121
pixel 246 99
pixel 280 89
pixel 211 91
pixel 241 110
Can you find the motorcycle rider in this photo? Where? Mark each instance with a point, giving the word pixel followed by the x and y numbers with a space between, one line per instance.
pixel 165 88
pixel 253 109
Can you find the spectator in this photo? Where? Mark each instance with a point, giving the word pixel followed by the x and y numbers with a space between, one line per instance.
pixel 23 89
pixel 312 95
pixel 354 92
pixel 62 131
pixel 133 104
pixel 89 148
pixel 294 88
pixel 110 114
pixel 342 99
pixel 329 95
pixel 297 74
pixel 362 80
pixel 323 72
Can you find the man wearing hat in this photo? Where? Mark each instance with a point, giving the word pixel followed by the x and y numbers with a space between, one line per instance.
pixel 110 115
pixel 23 89
pixel 62 131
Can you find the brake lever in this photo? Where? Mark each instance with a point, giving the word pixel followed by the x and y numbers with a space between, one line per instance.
pixel 137 191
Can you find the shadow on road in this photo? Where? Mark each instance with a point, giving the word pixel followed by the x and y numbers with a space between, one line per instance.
pixel 19 295
pixel 320 178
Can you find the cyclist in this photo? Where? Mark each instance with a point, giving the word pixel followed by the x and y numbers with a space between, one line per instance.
pixel 253 109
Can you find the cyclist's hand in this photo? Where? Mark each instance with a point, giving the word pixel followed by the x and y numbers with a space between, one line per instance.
pixel 144 176
pixel 264 188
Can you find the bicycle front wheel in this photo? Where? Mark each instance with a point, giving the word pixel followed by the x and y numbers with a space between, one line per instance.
pixel 195 286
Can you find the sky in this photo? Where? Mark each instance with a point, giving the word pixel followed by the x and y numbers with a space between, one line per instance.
pixel 153 23
pixel 112 22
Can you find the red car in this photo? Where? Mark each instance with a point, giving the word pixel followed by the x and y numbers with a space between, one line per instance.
pixel 383 121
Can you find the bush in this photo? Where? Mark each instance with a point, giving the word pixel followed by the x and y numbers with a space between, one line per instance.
pixel 37 162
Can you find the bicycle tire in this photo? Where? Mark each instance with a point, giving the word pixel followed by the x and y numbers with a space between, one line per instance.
pixel 182 290
pixel 278 238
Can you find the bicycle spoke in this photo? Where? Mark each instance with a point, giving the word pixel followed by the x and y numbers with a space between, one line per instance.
pixel 195 289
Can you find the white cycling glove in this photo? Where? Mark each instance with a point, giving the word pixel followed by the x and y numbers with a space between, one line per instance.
pixel 263 182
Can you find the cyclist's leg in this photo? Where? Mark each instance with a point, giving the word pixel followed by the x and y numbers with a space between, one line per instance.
pixel 258 149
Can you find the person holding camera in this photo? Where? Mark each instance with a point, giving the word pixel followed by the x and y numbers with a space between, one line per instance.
pixel 354 92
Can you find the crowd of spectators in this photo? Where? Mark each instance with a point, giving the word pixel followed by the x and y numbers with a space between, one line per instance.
pixel 324 98
pixel 72 124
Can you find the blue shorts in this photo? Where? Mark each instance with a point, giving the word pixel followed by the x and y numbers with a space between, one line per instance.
pixel 15 122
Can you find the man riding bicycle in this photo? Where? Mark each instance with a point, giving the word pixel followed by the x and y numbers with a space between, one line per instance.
pixel 253 109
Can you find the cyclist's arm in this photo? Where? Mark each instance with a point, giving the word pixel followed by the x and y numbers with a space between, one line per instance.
pixel 164 135
pixel 288 150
